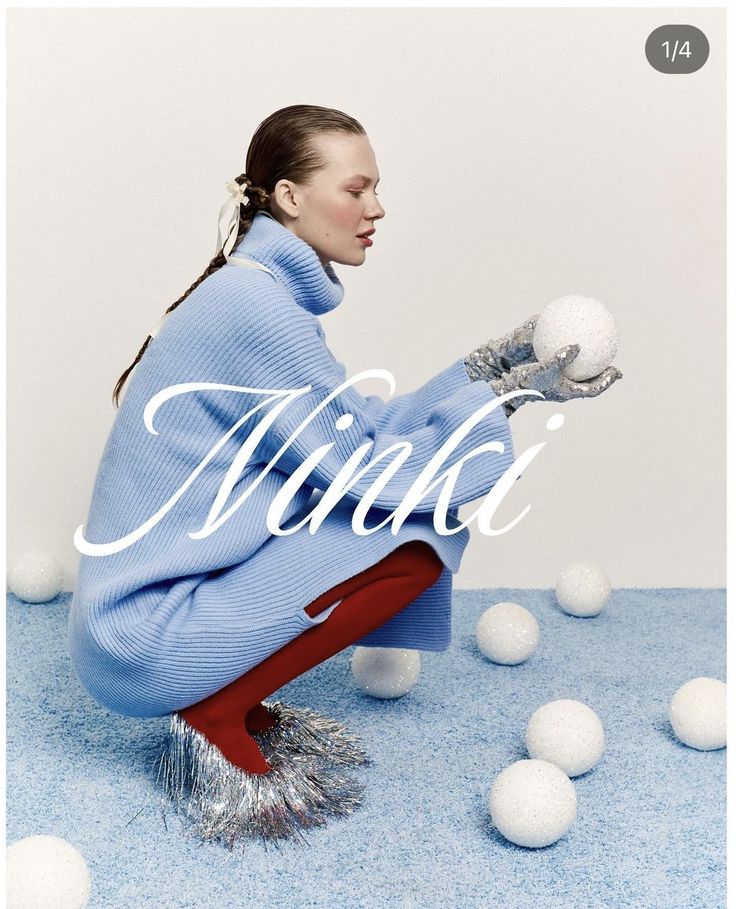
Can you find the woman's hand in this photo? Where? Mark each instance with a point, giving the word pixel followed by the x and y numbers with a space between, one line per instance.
pixel 549 379
pixel 492 359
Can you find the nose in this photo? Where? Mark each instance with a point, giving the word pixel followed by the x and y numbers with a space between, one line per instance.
pixel 375 212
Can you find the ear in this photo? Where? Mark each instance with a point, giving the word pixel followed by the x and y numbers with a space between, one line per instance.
pixel 283 196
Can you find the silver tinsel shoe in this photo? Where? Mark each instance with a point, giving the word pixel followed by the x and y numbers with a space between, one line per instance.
pixel 308 753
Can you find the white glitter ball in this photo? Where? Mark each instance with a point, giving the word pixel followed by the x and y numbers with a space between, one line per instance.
pixel 533 803
pixel 44 871
pixel 582 589
pixel 507 633
pixel 566 733
pixel 698 713
pixel 35 577
pixel 577 320
pixel 385 672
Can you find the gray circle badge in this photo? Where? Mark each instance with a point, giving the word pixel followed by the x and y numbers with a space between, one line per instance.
pixel 677 49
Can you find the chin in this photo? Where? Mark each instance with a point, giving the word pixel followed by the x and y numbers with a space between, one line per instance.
pixel 357 258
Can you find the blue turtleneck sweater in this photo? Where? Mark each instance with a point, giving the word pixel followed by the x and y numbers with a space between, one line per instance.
pixel 170 619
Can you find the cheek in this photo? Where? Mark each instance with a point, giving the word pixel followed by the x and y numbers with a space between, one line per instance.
pixel 343 213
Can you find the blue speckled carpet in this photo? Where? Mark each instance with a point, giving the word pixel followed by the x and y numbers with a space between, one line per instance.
pixel 650 831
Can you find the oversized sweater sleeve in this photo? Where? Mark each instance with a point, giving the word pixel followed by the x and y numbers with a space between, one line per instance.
pixel 409 411
pixel 425 419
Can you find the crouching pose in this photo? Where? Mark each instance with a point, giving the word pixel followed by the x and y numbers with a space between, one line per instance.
pixel 205 628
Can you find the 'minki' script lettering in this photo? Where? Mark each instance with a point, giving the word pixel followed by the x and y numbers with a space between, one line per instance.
pixel 346 477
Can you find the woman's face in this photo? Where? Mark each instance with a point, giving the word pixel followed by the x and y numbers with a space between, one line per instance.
pixel 339 201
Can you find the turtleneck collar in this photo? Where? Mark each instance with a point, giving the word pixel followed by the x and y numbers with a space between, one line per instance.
pixel 293 262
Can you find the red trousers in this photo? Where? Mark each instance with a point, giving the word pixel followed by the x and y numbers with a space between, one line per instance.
pixel 368 600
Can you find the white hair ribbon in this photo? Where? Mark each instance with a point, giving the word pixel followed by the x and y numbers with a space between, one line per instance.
pixel 231 210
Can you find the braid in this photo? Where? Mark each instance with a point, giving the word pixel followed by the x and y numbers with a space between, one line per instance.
pixel 258 198
pixel 257 195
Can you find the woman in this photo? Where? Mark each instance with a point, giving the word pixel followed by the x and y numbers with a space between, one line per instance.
pixel 208 627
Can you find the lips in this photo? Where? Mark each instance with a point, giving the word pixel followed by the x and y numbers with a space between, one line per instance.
pixel 367 233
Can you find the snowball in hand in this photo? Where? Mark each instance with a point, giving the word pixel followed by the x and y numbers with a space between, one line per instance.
pixel 582 589
pixel 507 633
pixel 698 713
pixel 566 733
pixel 532 803
pixel 577 320
pixel 35 577
pixel 44 871
pixel 385 672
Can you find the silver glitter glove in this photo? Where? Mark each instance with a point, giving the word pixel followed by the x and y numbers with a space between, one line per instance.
pixel 492 359
pixel 549 379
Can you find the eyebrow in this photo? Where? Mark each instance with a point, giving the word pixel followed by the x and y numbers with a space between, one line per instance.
pixel 363 177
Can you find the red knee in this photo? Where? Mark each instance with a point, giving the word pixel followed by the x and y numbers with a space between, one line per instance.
pixel 419 559
pixel 415 559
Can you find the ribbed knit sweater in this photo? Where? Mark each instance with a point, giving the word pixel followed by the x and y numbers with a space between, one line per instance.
pixel 169 620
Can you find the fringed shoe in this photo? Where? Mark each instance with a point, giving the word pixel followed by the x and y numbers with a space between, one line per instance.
pixel 308 753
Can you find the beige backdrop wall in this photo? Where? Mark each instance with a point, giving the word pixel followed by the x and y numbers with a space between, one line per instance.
pixel 524 154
